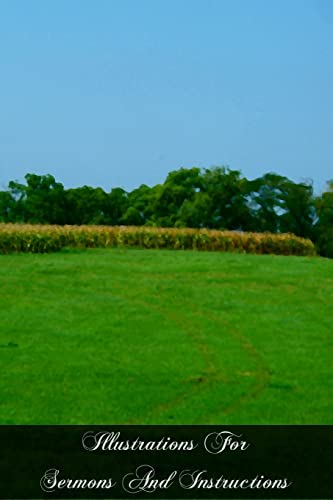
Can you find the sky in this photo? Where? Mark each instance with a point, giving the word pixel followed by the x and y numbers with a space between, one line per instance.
pixel 120 92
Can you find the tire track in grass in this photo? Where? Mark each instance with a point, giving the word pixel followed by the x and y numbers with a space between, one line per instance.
pixel 214 377
pixel 212 374
pixel 263 373
pixel 206 377
pixel 263 369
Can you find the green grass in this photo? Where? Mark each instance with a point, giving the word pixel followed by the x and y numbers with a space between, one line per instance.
pixel 149 337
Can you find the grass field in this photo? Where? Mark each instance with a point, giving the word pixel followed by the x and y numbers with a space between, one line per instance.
pixel 152 336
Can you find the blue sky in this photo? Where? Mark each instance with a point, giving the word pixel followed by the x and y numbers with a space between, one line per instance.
pixel 118 93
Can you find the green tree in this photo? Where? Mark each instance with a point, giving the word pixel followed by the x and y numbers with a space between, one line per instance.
pixel 86 205
pixel 115 206
pixel 41 200
pixel 179 187
pixel 299 209
pixel 140 202
pixel 7 204
pixel 323 229
pixel 265 195
pixel 227 206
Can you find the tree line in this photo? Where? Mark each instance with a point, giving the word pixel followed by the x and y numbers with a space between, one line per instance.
pixel 213 198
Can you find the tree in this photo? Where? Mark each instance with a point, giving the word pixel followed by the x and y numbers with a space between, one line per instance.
pixel 180 186
pixel 299 209
pixel 281 205
pixel 7 204
pixel 41 200
pixel 85 205
pixel 115 206
pixel 140 202
pixel 266 201
pixel 323 229
pixel 227 204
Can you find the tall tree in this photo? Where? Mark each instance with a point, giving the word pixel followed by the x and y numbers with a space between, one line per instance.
pixel 85 205
pixel 323 229
pixel 7 204
pixel 41 200
pixel 179 186
pixel 299 209
pixel 115 205
pixel 227 206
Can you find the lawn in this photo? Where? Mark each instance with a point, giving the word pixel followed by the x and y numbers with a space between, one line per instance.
pixel 162 337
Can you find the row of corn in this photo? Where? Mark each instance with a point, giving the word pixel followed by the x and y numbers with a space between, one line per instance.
pixel 46 238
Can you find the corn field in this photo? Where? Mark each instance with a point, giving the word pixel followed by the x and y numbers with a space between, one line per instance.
pixel 50 238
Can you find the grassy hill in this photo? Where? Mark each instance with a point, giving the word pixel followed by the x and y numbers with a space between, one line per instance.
pixel 152 336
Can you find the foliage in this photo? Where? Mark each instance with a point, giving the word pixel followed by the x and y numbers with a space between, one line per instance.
pixel 216 198
pixel 44 238
pixel 324 227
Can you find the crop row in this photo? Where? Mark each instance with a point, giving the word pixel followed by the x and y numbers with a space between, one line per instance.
pixel 46 238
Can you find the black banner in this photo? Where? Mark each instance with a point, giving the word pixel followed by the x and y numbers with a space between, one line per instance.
pixel 166 462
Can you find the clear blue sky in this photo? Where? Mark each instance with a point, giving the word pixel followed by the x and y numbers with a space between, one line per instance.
pixel 118 93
